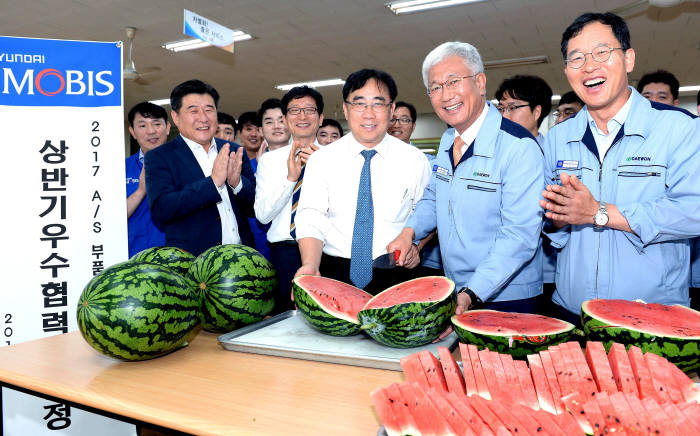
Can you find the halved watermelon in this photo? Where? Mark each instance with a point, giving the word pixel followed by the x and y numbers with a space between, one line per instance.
pixel 517 334
pixel 328 305
pixel 410 314
pixel 669 331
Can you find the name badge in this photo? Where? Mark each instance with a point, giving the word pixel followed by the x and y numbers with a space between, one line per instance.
pixel 441 170
pixel 567 164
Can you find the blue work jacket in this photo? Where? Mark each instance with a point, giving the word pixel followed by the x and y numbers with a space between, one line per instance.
pixel 486 211
pixel 652 174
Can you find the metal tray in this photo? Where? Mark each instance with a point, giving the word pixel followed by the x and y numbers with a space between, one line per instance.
pixel 289 335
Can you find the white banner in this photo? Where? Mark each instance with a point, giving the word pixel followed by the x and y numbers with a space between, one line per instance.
pixel 64 220
pixel 207 30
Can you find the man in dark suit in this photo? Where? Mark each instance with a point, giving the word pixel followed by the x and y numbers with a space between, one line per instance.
pixel 200 189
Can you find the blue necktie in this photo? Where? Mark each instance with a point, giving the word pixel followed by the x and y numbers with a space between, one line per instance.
pixel 296 193
pixel 361 255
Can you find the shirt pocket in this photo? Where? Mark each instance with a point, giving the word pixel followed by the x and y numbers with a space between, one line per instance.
pixel 480 197
pixel 640 182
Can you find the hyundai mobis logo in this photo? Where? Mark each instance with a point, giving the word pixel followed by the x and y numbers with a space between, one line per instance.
pixel 45 72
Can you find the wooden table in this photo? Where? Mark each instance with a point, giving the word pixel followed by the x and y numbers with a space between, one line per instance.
pixel 202 389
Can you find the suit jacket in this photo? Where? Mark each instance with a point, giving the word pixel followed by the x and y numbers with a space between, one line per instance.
pixel 183 201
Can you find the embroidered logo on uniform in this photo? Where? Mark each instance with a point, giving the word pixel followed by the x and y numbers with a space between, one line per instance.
pixel 639 158
pixel 478 174
pixel 440 170
pixel 567 164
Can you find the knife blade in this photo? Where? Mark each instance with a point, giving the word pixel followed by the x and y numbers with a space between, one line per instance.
pixel 386 261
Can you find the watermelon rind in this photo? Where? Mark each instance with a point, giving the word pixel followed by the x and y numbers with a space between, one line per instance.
pixel 410 324
pixel 683 351
pixel 236 285
pixel 321 317
pixel 137 311
pixel 174 258
pixel 507 341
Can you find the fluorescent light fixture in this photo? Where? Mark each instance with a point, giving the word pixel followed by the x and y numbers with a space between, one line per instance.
pixel 410 6
pixel 556 97
pixel 314 84
pixel 194 43
pixel 516 62
pixel 693 88
pixel 161 102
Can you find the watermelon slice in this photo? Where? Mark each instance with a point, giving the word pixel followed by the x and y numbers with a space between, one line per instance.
pixel 529 396
pixel 453 376
pixel 548 422
pixel 442 426
pixel 574 405
pixel 690 390
pixel 642 415
pixel 491 419
pixel 410 314
pixel 469 378
pixel 669 331
pixel 544 394
pixel 494 384
pixel 525 417
pixel 401 409
pixel 502 382
pixel 448 412
pixel 622 369
pixel 642 375
pixel 382 405
pixel 518 334
pixel 328 305
pixel 568 423
pixel 479 376
pixel 413 370
pixel 624 411
pixel 587 382
pixel 467 413
pixel 597 360
pixel 692 412
pixel 595 417
pixel 552 380
pixel 659 417
pixel 433 370
pixel 421 412
pixel 613 422
pixel 564 371
pixel 512 378
pixel 684 425
pixel 662 378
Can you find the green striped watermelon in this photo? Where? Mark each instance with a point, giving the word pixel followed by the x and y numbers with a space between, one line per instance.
pixel 137 311
pixel 236 285
pixel 517 334
pixel 328 305
pixel 410 314
pixel 174 258
pixel 669 331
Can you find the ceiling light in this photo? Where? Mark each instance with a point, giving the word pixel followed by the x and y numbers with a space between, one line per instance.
pixel 194 43
pixel 410 6
pixel 161 102
pixel 693 88
pixel 315 84
pixel 516 62
pixel 556 97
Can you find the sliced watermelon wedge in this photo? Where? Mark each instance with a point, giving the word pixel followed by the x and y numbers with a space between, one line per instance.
pixel 517 334
pixel 328 305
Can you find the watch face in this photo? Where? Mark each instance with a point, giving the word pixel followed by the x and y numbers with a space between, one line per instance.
pixel 600 219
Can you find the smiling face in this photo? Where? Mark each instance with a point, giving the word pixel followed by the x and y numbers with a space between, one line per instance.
pixel 274 129
pixel 397 128
pixel 250 138
pixel 225 132
pixel 327 135
pixel 461 105
pixel 659 92
pixel 302 126
pixel 602 86
pixel 369 126
pixel 196 119
pixel 149 132
pixel 523 115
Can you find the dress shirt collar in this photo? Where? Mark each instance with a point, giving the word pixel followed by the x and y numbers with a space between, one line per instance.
pixel 382 148
pixel 195 146
pixel 615 122
pixel 470 133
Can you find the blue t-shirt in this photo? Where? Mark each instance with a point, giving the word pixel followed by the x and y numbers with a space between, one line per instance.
pixel 143 233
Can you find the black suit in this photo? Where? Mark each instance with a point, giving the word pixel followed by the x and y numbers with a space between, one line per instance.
pixel 183 201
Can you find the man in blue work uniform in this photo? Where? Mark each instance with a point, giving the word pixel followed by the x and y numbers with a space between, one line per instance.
pixel 622 194
pixel 148 124
pixel 485 173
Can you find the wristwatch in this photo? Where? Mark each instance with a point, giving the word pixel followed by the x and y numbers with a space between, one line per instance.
pixel 475 300
pixel 600 219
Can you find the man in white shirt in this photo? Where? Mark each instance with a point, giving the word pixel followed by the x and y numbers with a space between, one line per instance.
pixel 278 174
pixel 200 189
pixel 360 190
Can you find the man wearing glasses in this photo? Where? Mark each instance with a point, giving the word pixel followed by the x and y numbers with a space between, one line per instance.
pixel 403 122
pixel 486 173
pixel 359 191
pixel 568 106
pixel 280 181
pixel 622 197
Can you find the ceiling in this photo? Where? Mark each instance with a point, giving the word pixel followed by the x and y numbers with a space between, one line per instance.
pixel 298 40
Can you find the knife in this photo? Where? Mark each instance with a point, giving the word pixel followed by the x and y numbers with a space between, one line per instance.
pixel 386 261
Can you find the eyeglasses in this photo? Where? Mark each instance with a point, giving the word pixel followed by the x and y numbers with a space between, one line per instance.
pixel 433 90
pixel 298 110
pixel 360 106
pixel 566 113
pixel 402 120
pixel 509 109
pixel 599 54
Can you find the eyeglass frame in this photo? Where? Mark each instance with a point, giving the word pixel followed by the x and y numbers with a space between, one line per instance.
pixel 609 50
pixel 558 114
pixel 403 121
pixel 299 110
pixel 441 86
pixel 509 109
pixel 361 106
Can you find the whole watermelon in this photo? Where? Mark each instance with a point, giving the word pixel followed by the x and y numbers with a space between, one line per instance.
pixel 236 285
pixel 174 258
pixel 137 311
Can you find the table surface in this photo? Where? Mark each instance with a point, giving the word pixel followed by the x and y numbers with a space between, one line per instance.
pixel 203 389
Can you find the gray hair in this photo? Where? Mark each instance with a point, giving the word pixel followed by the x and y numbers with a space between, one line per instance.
pixel 466 51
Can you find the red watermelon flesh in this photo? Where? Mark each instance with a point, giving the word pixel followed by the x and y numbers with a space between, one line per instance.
pixel 544 394
pixel 425 421
pixel 642 375
pixel 467 413
pixel 622 369
pixel 642 415
pixel 684 425
pixel 574 405
pixel 442 427
pixel 433 370
pixel 548 422
pixel 421 290
pixel 413 370
pixel 501 381
pixel 564 371
pixel 691 412
pixel 469 379
pixel 625 413
pixel 612 421
pixel 568 423
pixel 512 378
pixel 597 360
pixel 453 376
pixel 491 419
pixel 337 298
pixel 662 378
pixel 595 416
pixel 659 417
pixel 551 375
pixel 524 415
pixel 492 381
pixel 690 391
pixel 588 384
pixel 479 376
pixel 401 409
pixel 504 414
pixel 449 413
pixel 526 386
pixel 382 405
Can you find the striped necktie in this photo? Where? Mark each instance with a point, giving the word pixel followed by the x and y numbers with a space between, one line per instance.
pixel 363 232
pixel 457 149
pixel 295 202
